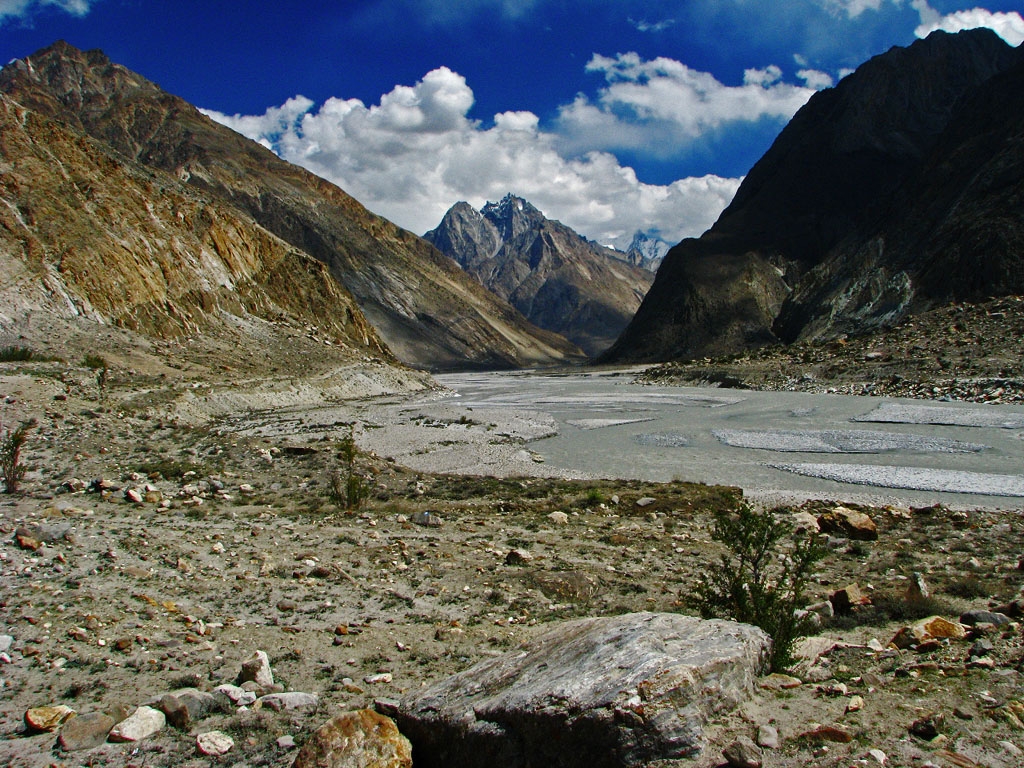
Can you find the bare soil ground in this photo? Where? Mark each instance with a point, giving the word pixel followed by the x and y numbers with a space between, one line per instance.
pixel 240 547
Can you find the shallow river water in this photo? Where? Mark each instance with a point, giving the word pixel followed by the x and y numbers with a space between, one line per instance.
pixel 771 443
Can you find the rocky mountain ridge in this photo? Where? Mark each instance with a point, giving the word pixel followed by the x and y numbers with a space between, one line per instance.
pixel 558 279
pixel 894 191
pixel 88 237
pixel 419 302
pixel 646 251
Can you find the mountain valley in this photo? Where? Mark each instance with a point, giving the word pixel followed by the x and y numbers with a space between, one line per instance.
pixel 239 447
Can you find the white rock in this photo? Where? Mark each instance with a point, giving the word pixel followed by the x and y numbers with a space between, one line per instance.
pixel 767 737
pixel 214 743
pixel 559 518
pixel 257 669
pixel 142 723
pixel 879 755
pixel 236 695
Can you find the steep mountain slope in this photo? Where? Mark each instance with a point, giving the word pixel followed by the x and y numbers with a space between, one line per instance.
pixel 844 177
pixel 955 231
pixel 420 302
pixel 558 279
pixel 86 234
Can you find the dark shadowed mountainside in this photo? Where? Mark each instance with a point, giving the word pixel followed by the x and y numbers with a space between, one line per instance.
pixel 894 191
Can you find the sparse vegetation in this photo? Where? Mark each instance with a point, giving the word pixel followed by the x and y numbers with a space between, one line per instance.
pixel 11 443
pixel 16 354
pixel 95 362
pixel 99 364
pixel 347 488
pixel 758 581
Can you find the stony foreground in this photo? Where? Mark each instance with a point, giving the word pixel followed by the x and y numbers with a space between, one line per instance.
pixel 146 562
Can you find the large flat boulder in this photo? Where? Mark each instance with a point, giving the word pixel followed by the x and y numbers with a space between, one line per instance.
pixel 610 691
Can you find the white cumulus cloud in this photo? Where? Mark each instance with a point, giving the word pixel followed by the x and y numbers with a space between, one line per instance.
pixel 816 79
pixel 1009 26
pixel 852 8
pixel 664 103
pixel 417 151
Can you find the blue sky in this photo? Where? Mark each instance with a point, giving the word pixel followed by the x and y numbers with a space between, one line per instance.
pixel 611 115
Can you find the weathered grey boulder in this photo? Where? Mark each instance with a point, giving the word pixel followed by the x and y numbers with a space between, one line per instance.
pixel 185 707
pixel 611 691
pixel 85 731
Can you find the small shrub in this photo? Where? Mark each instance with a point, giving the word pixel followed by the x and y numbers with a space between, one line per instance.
pixel 968 587
pixel 98 363
pixel 16 354
pixel 11 444
pixel 756 582
pixel 95 362
pixel 346 487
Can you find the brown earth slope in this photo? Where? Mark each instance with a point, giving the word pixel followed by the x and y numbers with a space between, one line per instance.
pixel 428 312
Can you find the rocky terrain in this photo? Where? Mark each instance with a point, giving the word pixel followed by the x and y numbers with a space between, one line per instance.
pixel 968 352
pixel 187 173
pixel 896 191
pixel 558 279
pixel 153 548
pixel 213 552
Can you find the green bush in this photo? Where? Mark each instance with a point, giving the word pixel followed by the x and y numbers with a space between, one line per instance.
pixel 347 488
pixel 11 444
pixel 762 578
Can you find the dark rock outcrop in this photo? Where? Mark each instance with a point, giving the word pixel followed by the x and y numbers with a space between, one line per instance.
pixel 895 190
pixel 421 304
pixel 558 279
pixel 597 692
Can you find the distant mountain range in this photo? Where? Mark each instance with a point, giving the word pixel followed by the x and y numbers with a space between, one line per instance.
pixel 900 189
pixel 129 205
pixel 558 279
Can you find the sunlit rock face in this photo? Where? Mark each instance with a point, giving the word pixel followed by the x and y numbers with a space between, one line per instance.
pixel 560 280
pixel 418 302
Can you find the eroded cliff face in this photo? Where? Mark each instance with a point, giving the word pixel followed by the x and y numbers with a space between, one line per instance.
pixel 837 228
pixel 554 276
pixel 427 311
pixel 85 233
